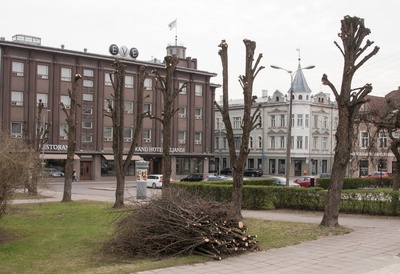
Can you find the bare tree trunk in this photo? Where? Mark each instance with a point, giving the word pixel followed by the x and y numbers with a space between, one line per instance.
pixel 249 122
pixel 394 146
pixel 71 122
pixel 166 86
pixel 349 102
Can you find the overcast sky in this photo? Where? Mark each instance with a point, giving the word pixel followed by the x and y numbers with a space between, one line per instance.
pixel 279 27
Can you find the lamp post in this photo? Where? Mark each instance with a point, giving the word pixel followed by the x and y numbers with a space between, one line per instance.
pixel 289 131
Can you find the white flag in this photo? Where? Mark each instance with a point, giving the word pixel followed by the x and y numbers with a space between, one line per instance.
pixel 172 25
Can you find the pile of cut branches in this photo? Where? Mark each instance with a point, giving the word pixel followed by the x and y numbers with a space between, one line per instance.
pixel 181 224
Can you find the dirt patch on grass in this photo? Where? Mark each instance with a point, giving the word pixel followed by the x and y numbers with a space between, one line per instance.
pixel 6 237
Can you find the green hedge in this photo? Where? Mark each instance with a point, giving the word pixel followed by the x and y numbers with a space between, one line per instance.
pixel 259 194
pixel 356 183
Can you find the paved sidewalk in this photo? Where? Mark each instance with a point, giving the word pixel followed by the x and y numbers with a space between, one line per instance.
pixel 373 248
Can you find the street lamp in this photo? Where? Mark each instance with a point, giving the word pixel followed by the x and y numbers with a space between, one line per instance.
pixel 289 132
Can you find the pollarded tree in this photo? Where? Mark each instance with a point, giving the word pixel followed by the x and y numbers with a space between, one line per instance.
pixel 169 93
pixel 71 134
pixel 116 113
pixel 249 120
pixel 349 100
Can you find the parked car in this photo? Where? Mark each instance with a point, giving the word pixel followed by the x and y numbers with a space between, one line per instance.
pixel 226 171
pixel 252 172
pixel 378 174
pixel 281 181
pixel 323 175
pixel 52 172
pixel 155 180
pixel 217 178
pixel 305 181
pixel 194 177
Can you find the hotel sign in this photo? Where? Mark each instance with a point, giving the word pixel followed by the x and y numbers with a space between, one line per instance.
pixel 159 149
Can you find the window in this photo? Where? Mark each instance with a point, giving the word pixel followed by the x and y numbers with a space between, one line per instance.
pixel 364 139
pixel 128 107
pixel 66 74
pixel 324 142
pixel 217 142
pixel 107 78
pixel 147 135
pixel 306 120
pixel 336 121
pixel 107 104
pixel 325 123
pixel 272 120
pixel 108 133
pixel 147 108
pixel 237 141
pixel 17 98
pixel 17 69
pixel 300 97
pixel 237 122
pixel 87 138
pixel 182 112
pixel 43 72
pixel 300 120
pixel 224 142
pixel 43 97
pixel 182 137
pixel 316 121
pixel 148 84
pixel 292 120
pixel 282 120
pixel 16 129
pixel 87 97
pixel 66 101
pixel 198 91
pixel 251 142
pixel 63 131
pixel 88 83
pixel 282 142
pixel 260 123
pixel 127 133
pixel 272 142
pixel 87 124
pixel 218 122
pixel 87 111
pixel 299 142
pixel 315 142
pixel 128 81
pixel 197 138
pixel 198 113
pixel 291 142
pixel 382 139
pixel 88 73
pixel 182 88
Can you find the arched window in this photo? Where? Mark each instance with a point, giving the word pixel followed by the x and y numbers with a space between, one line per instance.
pixel 251 142
pixel 259 142
pixel 300 97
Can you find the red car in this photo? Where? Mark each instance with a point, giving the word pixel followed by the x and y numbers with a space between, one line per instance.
pixel 378 174
pixel 305 181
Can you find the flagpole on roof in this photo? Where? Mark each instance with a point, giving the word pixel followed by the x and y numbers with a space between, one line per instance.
pixel 176 32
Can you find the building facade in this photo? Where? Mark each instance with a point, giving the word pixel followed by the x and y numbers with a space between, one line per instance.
pixel 30 72
pixel 314 122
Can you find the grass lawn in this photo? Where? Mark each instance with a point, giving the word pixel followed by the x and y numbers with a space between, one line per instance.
pixel 66 238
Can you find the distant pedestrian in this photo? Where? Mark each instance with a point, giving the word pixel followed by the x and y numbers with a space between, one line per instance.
pixel 74 176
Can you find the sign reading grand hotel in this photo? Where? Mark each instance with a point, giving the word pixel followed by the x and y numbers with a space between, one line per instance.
pixel 159 149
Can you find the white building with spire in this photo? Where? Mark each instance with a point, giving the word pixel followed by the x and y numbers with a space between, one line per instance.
pixel 314 122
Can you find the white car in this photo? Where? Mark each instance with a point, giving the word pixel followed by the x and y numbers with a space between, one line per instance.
pixel 155 180
pixel 281 181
